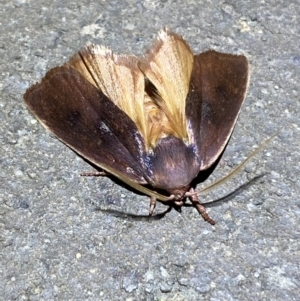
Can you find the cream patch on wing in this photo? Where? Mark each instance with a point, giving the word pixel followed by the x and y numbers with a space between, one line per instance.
pixel 168 65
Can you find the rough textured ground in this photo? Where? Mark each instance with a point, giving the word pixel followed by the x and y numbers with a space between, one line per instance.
pixel 56 245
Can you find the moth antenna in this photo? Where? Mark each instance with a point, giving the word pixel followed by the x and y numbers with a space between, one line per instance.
pixel 238 168
pixel 94 174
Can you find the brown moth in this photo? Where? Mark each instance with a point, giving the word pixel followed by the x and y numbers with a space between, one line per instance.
pixel 154 122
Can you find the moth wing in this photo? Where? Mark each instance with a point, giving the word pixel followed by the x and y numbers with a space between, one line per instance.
pixel 117 76
pixel 87 121
pixel 168 65
pixel 217 90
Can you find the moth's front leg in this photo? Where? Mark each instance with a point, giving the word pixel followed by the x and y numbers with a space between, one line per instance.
pixel 201 209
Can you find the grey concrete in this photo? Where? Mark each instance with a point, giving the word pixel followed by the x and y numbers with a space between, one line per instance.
pixel 56 245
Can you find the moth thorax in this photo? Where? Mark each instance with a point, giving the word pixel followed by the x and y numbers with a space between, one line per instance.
pixel 173 164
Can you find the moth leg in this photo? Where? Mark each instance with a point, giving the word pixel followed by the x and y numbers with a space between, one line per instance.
pixel 94 174
pixel 201 209
pixel 179 203
pixel 152 205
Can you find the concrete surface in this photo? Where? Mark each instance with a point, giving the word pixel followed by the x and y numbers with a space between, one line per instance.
pixel 64 237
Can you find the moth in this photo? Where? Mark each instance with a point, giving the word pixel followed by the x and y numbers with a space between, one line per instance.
pixel 153 122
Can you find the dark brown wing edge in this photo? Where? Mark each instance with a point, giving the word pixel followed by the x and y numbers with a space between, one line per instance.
pixel 217 90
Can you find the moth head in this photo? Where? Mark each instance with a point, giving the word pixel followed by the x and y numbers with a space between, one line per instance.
pixel 179 193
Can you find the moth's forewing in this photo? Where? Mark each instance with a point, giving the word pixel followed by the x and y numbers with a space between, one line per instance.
pixel 82 117
pixel 217 90
pixel 117 76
